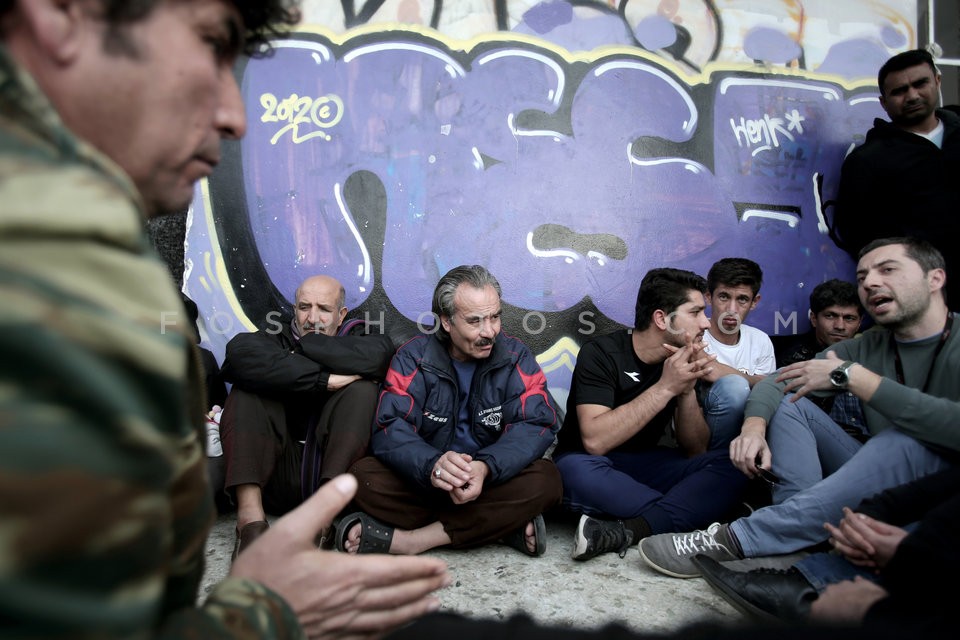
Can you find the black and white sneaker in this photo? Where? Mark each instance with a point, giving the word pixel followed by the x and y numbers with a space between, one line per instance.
pixel 594 537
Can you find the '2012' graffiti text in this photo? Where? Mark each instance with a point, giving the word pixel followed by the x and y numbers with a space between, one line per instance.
pixel 302 111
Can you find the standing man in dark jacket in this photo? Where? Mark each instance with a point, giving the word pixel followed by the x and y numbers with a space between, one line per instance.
pixel 462 426
pixel 312 381
pixel 903 180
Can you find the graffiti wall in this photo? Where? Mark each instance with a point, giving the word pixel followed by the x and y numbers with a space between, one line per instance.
pixel 568 146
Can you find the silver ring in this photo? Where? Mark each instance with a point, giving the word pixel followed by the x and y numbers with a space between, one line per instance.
pixel 436 472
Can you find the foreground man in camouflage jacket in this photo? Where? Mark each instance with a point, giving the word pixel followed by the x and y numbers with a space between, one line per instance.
pixel 110 111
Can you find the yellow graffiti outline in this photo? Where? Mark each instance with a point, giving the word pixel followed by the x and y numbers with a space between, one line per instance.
pixel 222 277
pixel 564 351
pixel 456 45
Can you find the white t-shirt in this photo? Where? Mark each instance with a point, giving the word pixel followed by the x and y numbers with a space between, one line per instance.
pixel 935 136
pixel 752 355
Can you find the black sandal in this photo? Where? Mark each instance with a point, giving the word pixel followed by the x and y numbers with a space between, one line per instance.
pixel 374 538
pixel 518 539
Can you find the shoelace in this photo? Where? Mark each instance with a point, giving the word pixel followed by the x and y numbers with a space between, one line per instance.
pixel 698 541
pixel 610 537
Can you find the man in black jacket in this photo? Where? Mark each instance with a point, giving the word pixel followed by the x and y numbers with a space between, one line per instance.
pixel 903 180
pixel 301 406
pixel 835 315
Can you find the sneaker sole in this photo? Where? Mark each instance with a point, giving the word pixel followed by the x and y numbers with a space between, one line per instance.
pixel 653 565
pixel 579 541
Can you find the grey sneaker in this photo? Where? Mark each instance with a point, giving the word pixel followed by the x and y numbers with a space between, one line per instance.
pixel 672 553
pixel 594 537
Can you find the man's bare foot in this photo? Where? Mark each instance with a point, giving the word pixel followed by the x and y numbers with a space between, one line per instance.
pixel 352 543
pixel 530 537
pixel 355 536
pixel 395 541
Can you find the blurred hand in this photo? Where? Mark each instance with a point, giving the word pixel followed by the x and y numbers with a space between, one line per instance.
pixel 865 541
pixel 338 595
pixel 847 601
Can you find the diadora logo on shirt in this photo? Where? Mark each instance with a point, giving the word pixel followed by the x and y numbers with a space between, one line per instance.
pixel 633 375
pixel 491 417
pixel 429 415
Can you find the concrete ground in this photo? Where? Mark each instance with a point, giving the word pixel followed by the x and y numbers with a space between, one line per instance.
pixel 497 581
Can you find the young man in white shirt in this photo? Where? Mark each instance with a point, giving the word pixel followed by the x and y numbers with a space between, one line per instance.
pixel 744 354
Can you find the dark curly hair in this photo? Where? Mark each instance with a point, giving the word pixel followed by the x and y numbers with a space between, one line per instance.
pixel 834 292
pixel 262 19
pixel 664 289
pixel 902 61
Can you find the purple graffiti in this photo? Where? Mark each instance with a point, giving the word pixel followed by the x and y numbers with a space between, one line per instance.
pixel 771 45
pixel 569 181
pixel 656 32
pixel 548 15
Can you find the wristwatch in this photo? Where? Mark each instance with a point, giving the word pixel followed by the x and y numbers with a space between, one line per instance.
pixel 840 377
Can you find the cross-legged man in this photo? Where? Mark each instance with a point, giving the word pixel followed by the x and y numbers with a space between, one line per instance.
pixel 628 388
pixel 904 374
pixel 461 429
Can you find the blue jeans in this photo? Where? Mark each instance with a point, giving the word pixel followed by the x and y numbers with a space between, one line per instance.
pixel 806 447
pixel 722 406
pixel 823 569
pixel 887 459
pixel 671 491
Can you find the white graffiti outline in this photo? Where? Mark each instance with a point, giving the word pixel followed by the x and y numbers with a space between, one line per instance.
pixel 789 218
pixel 569 256
pixel 454 70
pixel 318 49
pixel 829 94
pixel 690 165
pixel 366 268
pixel 689 125
pixel 557 70
pixel 818 205
pixel 556 135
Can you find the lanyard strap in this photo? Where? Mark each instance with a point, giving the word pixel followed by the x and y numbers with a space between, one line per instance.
pixel 947 327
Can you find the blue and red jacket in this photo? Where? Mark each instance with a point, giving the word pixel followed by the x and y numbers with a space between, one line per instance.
pixel 513 417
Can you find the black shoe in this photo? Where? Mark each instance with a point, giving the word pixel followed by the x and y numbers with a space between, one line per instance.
pixel 768 594
pixel 594 537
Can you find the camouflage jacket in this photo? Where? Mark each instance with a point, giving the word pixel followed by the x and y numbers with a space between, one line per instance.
pixel 104 500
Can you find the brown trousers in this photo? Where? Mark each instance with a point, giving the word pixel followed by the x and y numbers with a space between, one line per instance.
pixel 262 439
pixel 500 509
